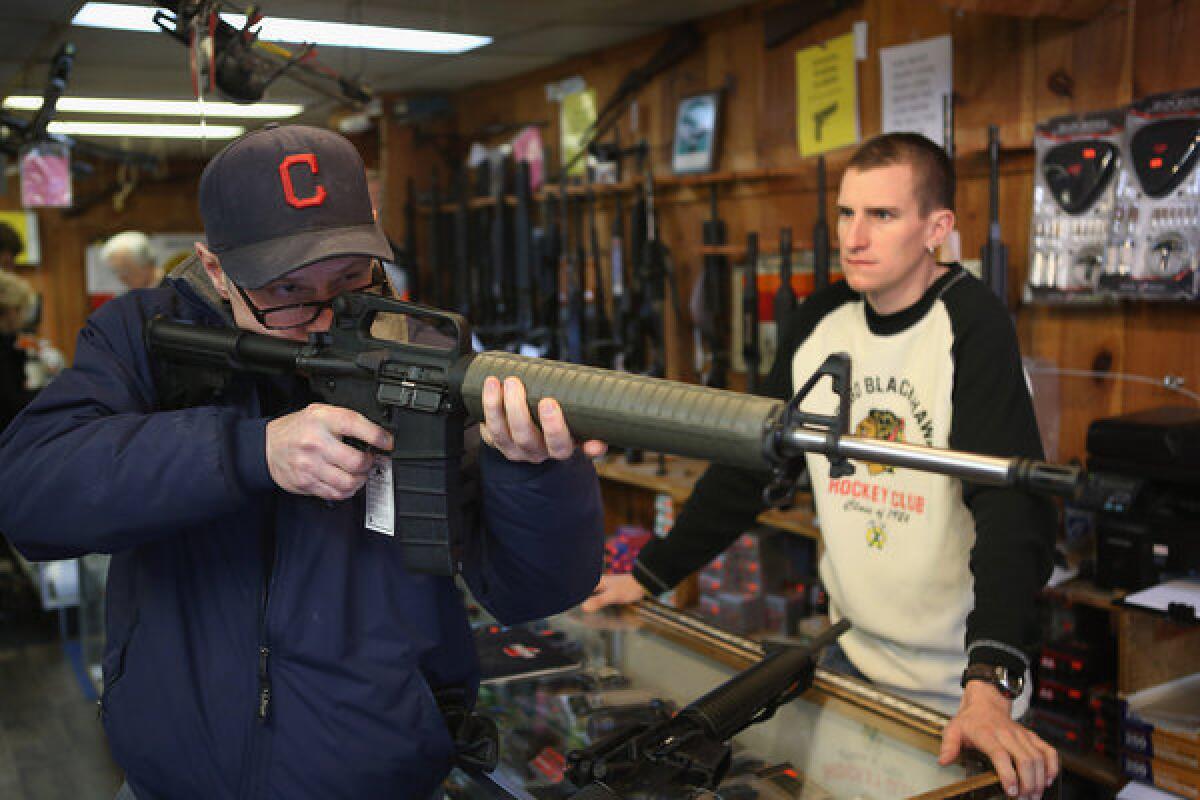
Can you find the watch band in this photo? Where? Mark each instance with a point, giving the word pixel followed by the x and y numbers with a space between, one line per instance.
pixel 1005 682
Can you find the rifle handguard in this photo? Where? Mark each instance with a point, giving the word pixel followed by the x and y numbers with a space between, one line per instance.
pixel 627 410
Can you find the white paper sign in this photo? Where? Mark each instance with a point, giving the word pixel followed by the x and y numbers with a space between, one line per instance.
pixel 918 80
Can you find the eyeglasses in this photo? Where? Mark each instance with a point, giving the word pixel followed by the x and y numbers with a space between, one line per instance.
pixel 297 315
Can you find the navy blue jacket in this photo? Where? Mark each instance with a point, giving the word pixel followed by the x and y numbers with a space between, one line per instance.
pixel 356 643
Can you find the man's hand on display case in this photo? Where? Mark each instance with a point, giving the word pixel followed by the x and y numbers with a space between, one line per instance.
pixel 614 590
pixel 1026 765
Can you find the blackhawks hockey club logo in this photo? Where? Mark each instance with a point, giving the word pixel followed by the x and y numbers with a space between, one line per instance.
pixel 881 424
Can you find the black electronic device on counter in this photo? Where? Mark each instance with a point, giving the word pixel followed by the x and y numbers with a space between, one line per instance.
pixel 1154 534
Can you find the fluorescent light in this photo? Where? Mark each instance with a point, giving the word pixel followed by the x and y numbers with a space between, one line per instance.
pixel 117 16
pixel 144 130
pixel 128 105
pixel 281 29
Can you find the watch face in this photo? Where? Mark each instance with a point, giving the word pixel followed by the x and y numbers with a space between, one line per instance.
pixel 1010 684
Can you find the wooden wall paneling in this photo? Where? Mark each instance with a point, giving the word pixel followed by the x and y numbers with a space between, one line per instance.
pixel 1103 61
pixel 905 21
pixel 777 120
pixel 1165 56
pixel 1160 341
pixel 894 22
pixel 741 77
pixel 1078 339
pixel 1054 53
pixel 991 81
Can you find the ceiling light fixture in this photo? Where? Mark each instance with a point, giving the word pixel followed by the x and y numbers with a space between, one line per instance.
pixel 129 105
pixel 144 130
pixel 282 29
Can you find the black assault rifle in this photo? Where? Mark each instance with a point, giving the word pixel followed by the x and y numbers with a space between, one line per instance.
pixel 692 749
pixel 751 353
pixel 426 394
pixel 995 252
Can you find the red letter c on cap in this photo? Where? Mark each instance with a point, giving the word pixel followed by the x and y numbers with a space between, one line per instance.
pixel 289 191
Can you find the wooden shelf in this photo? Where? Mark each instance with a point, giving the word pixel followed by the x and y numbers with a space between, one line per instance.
pixel 1082 591
pixel 765 248
pixel 803 175
pixel 680 477
pixel 1095 768
pixel 681 474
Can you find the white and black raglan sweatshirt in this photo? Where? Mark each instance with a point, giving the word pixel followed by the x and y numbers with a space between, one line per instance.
pixel 932 571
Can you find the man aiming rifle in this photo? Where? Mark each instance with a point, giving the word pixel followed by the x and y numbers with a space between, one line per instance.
pixel 261 640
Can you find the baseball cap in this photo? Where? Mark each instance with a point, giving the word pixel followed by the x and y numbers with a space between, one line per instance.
pixel 283 197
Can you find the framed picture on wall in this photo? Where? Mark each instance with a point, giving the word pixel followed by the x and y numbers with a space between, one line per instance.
pixel 695 146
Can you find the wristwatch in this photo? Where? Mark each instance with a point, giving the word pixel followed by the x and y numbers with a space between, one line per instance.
pixel 1008 683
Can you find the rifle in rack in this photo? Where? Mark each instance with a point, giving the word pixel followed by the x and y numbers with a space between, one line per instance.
pixel 600 343
pixel 785 297
pixel 481 274
pixel 713 358
pixel 545 335
pixel 437 272
pixel 463 295
pixel 500 291
pixel 410 239
pixel 571 329
pixel 820 235
pixel 655 277
pixel 620 297
pixel 995 252
pixel 524 251
pixel 635 353
pixel 751 352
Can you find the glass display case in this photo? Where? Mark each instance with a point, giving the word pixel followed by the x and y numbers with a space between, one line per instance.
pixel 840 739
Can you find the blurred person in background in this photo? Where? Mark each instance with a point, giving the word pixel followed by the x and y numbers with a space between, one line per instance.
pixel 131 258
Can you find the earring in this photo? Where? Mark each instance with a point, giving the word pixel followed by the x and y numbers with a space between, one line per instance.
pixel 932 249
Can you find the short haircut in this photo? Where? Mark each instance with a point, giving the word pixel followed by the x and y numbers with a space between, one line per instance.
pixel 10 240
pixel 17 299
pixel 933 172
pixel 135 243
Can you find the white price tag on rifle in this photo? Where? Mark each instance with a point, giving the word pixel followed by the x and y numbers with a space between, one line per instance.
pixel 381 508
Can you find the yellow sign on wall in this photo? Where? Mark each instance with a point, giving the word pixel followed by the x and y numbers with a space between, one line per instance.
pixel 25 224
pixel 577 114
pixel 826 96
